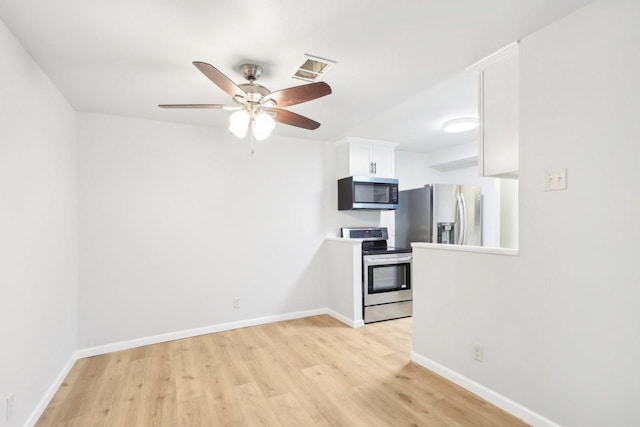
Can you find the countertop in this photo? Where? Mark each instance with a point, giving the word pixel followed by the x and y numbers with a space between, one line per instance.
pixel 466 248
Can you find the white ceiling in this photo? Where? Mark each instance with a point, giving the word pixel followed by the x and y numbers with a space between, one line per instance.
pixel 393 80
pixel 416 123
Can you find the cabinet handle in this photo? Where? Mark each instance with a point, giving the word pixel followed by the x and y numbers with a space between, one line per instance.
pixel 371 168
pixel 375 168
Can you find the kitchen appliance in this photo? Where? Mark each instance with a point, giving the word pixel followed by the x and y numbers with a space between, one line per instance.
pixel 440 213
pixel 365 192
pixel 386 275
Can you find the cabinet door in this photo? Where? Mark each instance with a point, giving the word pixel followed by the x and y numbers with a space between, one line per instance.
pixel 360 160
pixel 499 115
pixel 382 158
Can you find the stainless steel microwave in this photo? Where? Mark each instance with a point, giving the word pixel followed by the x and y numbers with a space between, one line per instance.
pixel 364 192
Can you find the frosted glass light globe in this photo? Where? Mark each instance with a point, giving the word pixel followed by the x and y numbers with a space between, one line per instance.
pixel 263 125
pixel 239 123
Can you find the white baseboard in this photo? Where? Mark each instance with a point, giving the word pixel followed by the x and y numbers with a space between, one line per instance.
pixel 345 319
pixel 487 394
pixel 155 339
pixel 187 333
pixel 42 404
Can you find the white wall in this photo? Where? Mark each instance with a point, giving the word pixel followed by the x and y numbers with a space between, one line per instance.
pixel 178 220
pixel 38 231
pixel 560 323
pixel 412 170
pixel 509 213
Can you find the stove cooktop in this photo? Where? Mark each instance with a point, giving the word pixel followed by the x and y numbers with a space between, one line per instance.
pixel 374 240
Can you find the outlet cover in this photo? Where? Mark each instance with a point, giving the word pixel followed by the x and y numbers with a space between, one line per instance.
pixel 236 303
pixel 478 353
pixel 555 180
pixel 11 403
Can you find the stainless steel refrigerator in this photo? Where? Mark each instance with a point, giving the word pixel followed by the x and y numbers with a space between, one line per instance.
pixel 440 213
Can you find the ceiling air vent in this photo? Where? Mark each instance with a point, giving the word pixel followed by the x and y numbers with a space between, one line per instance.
pixel 313 69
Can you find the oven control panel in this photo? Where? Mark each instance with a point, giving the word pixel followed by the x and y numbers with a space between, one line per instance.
pixel 372 233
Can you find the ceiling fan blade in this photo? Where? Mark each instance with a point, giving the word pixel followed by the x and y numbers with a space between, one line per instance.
pixel 220 80
pixel 299 94
pixel 212 106
pixel 294 119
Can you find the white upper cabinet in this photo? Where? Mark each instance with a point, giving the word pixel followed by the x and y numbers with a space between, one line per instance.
pixel 498 156
pixel 369 158
pixel 360 163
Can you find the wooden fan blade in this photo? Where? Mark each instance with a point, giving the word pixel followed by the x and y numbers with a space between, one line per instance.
pixel 219 79
pixel 294 119
pixel 191 106
pixel 299 94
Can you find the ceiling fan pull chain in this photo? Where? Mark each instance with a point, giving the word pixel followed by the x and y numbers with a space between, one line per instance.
pixel 252 137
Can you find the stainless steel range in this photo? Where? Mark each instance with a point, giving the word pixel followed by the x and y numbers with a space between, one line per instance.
pixel 386 275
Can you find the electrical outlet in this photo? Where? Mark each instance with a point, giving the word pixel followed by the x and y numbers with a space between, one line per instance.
pixel 236 303
pixel 555 180
pixel 478 353
pixel 11 402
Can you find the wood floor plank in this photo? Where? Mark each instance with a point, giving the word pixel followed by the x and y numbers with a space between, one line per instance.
pixel 305 372
pixel 253 405
pixel 292 413
pixel 78 403
pixel 159 390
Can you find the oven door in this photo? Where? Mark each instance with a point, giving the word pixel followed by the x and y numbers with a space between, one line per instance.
pixel 387 278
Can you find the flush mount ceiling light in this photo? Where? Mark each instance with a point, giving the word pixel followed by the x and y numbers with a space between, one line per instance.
pixel 460 125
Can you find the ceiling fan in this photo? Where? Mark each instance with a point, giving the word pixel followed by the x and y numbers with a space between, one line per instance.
pixel 257 107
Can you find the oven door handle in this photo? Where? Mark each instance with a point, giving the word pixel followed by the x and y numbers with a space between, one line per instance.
pixel 390 261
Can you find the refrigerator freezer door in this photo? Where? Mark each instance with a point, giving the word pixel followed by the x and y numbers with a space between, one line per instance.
pixel 440 213
pixel 460 206
pixel 413 217
pixel 445 211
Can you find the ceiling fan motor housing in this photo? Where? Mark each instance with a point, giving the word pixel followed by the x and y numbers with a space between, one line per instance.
pixel 251 72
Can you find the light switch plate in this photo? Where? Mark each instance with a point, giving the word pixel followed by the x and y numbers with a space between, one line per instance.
pixel 555 180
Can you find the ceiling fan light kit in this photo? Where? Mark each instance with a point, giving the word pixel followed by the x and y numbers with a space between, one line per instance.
pixel 259 108
pixel 460 125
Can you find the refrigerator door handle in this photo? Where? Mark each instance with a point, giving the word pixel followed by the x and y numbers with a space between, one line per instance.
pixel 458 220
pixel 463 219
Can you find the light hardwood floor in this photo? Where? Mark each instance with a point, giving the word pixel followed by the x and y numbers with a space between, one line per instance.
pixel 306 372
